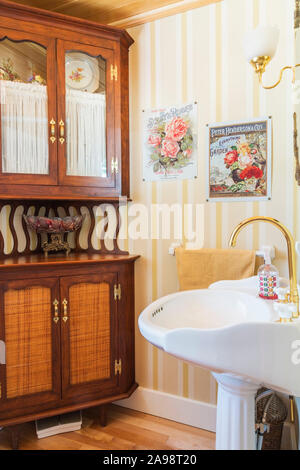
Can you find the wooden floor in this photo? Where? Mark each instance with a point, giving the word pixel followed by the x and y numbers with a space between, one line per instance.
pixel 125 430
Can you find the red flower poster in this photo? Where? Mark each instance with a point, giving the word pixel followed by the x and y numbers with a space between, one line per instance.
pixel 239 164
pixel 170 143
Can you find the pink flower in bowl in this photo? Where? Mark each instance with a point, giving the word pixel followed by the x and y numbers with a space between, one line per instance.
pixel 176 129
pixel 154 140
pixel 170 148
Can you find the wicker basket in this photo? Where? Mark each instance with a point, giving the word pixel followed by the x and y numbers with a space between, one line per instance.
pixel 270 410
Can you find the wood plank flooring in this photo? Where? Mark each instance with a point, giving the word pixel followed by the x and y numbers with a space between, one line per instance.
pixel 126 430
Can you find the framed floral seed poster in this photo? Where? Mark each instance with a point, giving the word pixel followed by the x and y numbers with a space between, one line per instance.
pixel 170 143
pixel 239 160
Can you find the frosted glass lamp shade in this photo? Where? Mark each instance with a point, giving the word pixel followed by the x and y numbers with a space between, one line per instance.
pixel 260 42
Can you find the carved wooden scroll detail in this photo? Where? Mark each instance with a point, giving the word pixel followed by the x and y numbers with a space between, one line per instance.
pixel 99 233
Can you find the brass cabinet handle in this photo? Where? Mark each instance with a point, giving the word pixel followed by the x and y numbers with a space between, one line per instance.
pixel 114 166
pixel 52 131
pixel 65 305
pixel 61 131
pixel 56 317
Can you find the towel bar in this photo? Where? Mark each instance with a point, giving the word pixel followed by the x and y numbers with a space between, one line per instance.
pixel 260 252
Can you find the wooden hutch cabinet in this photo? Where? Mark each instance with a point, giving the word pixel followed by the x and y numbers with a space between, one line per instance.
pixel 66 320
pixel 64 106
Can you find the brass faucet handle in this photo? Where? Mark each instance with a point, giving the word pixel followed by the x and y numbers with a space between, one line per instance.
pixel 285 311
pixel 283 294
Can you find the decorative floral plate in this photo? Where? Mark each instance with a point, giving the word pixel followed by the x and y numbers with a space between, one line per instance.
pixel 82 72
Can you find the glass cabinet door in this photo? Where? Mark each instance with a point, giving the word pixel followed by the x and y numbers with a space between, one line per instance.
pixel 27 109
pixel 85 115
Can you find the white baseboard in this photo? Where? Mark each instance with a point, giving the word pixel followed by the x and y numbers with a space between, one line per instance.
pixel 183 410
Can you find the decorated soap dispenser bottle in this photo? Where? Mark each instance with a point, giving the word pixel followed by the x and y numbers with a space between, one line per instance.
pixel 268 277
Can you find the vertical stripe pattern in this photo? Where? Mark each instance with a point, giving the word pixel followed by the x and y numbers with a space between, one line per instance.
pixel 198 56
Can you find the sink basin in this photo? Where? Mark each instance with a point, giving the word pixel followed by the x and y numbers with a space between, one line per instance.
pixel 229 330
pixel 204 309
pixel 226 328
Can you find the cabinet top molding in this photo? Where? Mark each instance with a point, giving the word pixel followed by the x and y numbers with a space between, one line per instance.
pixel 45 17
pixel 39 261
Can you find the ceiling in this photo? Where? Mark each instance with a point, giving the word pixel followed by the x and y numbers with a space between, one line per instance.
pixel 123 13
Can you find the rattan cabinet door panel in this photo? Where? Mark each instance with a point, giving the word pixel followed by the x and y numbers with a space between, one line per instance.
pixel 31 373
pixel 89 335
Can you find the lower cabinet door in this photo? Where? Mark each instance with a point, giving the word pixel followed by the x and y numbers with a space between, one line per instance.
pixel 89 336
pixel 30 364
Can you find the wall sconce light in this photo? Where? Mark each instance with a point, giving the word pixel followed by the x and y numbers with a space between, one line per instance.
pixel 260 47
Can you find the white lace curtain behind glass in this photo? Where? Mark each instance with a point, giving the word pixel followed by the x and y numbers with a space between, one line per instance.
pixel 86 133
pixel 24 121
pixel 24 125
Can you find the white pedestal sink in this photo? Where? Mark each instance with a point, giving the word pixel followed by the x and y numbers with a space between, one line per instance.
pixel 229 330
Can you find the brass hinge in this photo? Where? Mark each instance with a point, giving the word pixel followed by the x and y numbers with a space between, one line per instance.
pixel 117 292
pixel 114 166
pixel 114 72
pixel 118 367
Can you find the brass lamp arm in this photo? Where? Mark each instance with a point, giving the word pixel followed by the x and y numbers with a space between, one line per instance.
pixel 291 67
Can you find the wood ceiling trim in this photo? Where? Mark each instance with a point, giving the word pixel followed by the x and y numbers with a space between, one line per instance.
pixel 163 12
pixel 119 13
pixel 17 10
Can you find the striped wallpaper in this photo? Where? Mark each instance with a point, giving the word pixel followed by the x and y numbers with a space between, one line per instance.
pixel 198 56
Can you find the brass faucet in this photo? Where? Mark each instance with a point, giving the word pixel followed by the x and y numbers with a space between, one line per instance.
pixel 293 295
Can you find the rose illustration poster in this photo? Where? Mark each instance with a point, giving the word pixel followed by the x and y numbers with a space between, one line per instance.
pixel 240 160
pixel 170 143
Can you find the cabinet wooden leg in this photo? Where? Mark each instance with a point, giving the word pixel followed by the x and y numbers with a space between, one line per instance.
pixel 103 415
pixel 14 437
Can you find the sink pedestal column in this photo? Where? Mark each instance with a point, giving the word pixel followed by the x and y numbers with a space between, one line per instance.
pixel 235 413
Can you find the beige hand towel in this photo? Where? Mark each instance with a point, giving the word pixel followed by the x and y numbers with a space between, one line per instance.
pixel 197 269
